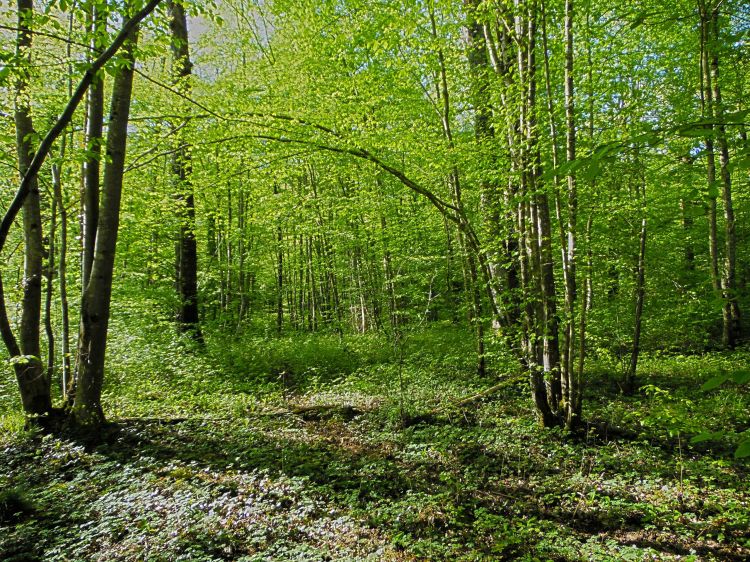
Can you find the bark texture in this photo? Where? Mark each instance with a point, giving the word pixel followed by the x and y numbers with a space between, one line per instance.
pixel 95 309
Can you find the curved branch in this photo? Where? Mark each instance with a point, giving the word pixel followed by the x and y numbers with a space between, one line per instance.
pixel 442 206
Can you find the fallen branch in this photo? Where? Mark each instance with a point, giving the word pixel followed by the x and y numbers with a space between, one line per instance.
pixel 481 395
pixel 430 415
pixel 312 412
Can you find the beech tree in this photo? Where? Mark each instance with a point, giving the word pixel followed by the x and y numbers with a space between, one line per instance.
pixel 32 380
pixel 95 308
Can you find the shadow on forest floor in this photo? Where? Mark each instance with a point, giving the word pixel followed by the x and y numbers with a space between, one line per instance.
pixel 427 489
pixel 280 487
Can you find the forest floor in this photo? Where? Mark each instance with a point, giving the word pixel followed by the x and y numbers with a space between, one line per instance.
pixel 213 456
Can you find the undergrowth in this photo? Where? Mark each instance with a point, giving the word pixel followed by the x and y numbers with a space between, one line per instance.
pixel 210 462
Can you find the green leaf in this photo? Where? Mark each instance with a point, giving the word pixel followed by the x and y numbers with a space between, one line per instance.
pixel 736 117
pixel 694 130
pixel 707 436
pixel 743 450
pixel 740 164
pixel 591 171
pixel 741 377
pixel 715 382
pixel 639 20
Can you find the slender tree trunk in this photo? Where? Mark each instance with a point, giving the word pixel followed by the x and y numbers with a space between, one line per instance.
pixel 629 385
pixel 455 182
pixel 562 378
pixel 640 294
pixel 228 238
pixel 187 258
pixel 390 284
pixel 50 275
pixel 537 336
pixel 502 274
pixel 95 309
pixel 66 380
pixel 731 310
pixel 62 273
pixel 723 281
pixel 542 262
pixel 91 165
pixel 314 296
pixel 452 286
pixel 687 228
pixel 571 391
pixel 279 272
pixel 90 180
pixel 484 133
pixel 583 316
pixel 32 380
pixel 302 292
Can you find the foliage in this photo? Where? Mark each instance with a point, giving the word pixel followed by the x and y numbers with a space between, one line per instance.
pixel 370 183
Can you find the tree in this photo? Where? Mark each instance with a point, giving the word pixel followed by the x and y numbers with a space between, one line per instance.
pixel 32 380
pixel 724 276
pixel 95 308
pixel 29 392
pixel 187 255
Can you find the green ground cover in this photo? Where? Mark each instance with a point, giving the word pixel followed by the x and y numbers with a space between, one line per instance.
pixel 216 455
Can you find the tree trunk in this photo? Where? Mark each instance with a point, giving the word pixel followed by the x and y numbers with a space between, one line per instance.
pixel 187 259
pixel 390 283
pixel 640 294
pixel 731 310
pixel 629 384
pixel 32 381
pixel 63 283
pixel 455 183
pixel 279 272
pixel 95 309
pixel 501 271
pixel 91 165
pixel 50 275
pixel 724 282
pixel 538 327
pixel 571 392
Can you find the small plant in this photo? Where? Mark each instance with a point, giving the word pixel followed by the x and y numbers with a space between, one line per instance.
pixel 740 377
pixel 14 505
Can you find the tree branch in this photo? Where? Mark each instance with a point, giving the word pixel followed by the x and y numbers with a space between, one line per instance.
pixel 46 145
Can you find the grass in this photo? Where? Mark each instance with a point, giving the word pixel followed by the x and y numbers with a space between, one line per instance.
pixel 206 464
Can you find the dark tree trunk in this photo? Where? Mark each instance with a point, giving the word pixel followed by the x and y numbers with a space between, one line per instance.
pixel 571 382
pixel 187 256
pixel 279 272
pixel 640 295
pixel 49 273
pixel 63 284
pixel 723 279
pixel 731 313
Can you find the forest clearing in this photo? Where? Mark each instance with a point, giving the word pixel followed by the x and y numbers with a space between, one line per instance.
pixel 374 280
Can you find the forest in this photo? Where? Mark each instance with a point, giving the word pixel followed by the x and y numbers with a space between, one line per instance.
pixel 374 280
